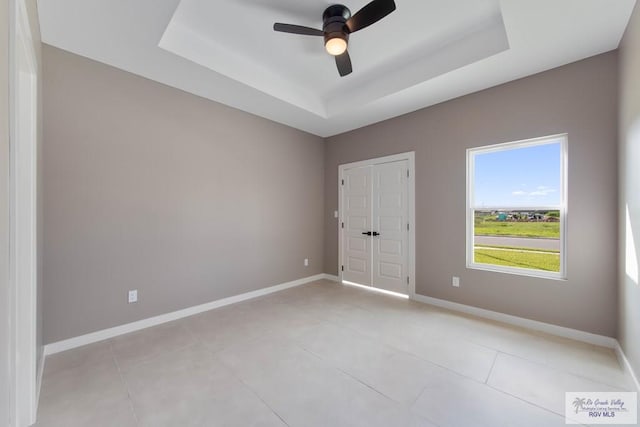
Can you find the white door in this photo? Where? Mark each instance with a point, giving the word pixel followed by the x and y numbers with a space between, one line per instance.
pixel 375 219
pixel 357 221
pixel 390 220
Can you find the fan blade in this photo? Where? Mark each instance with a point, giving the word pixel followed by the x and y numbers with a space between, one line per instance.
pixel 343 62
pixel 370 14
pixel 297 29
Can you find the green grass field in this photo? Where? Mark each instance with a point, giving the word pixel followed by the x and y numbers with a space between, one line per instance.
pixel 485 227
pixel 547 261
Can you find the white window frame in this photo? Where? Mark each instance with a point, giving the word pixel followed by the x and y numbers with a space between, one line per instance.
pixel 471 208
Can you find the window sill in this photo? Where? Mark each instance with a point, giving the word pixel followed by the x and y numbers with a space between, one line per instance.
pixel 538 274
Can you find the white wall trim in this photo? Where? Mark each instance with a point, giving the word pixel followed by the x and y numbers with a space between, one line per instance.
pixel 23 77
pixel 104 334
pixel 626 365
pixel 535 325
pixel 331 277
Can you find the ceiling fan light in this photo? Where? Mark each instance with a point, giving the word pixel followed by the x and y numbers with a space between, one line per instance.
pixel 336 46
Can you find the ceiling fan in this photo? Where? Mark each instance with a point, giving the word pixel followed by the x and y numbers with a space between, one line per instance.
pixel 338 24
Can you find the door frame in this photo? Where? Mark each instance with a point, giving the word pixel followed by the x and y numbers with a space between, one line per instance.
pixel 411 192
pixel 23 263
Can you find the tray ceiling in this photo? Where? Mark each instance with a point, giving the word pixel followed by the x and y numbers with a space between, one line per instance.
pixel 425 52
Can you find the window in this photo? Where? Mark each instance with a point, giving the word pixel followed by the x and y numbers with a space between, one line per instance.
pixel 516 207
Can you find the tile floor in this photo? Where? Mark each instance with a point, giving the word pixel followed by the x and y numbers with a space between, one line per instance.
pixel 324 354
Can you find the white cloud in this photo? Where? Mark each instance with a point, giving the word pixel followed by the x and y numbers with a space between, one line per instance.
pixel 541 191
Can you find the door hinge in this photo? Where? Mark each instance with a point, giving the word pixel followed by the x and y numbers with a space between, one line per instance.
pixel 407 173
pixel 407 226
pixel 343 182
pixel 407 280
pixel 342 268
pixel 343 225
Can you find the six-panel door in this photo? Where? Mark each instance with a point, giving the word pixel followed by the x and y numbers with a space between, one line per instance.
pixel 357 220
pixel 375 201
pixel 390 220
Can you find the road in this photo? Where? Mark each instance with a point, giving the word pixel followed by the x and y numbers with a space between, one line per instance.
pixel 523 242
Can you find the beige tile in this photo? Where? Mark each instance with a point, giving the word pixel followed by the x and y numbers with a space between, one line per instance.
pixel 86 392
pixel 587 360
pixel 99 414
pixel 539 384
pixel 321 287
pixel 324 307
pixel 221 328
pixel 305 391
pixel 450 400
pixel 190 367
pixel 274 315
pixel 136 347
pixel 190 387
pixel 89 381
pixel 393 373
pixel 597 363
pixel 77 357
pixel 451 352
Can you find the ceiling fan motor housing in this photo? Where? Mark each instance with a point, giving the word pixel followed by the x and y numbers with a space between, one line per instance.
pixel 334 22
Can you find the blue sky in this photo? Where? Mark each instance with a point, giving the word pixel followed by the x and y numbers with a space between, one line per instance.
pixel 521 177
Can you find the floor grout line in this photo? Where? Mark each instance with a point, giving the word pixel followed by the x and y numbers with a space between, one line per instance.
pixel 557 369
pixel 126 385
pixel 329 364
pixel 255 393
pixel 251 389
pixel 495 358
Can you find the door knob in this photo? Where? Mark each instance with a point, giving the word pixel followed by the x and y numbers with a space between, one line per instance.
pixel 375 233
pixel 367 233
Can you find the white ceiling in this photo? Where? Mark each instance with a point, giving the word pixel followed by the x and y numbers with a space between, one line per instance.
pixel 425 52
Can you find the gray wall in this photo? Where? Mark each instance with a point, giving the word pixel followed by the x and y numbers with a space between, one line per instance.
pixel 629 184
pixel 580 99
pixel 150 188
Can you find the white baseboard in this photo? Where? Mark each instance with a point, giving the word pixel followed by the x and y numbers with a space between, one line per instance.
pixel 560 331
pixel 624 362
pixel 104 334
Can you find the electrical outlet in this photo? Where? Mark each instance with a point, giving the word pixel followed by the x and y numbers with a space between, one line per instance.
pixel 133 296
pixel 455 281
pixel 306 262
